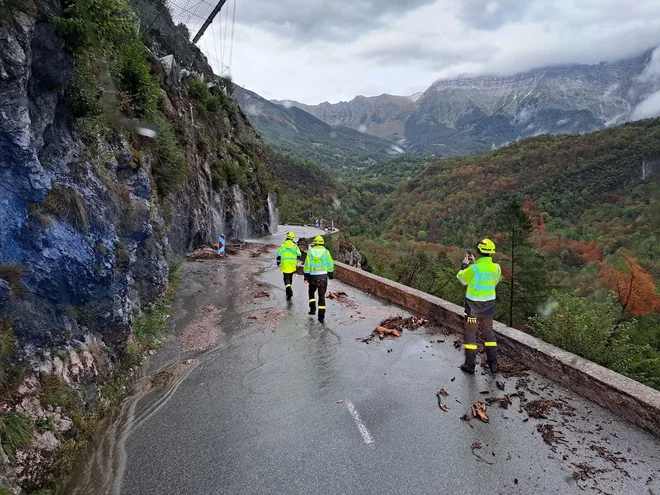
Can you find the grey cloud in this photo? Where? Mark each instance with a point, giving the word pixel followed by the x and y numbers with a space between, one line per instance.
pixel 311 20
pixel 649 85
pixel 434 57
pixel 492 14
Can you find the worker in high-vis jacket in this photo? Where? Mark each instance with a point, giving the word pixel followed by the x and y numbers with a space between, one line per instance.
pixel 481 276
pixel 287 259
pixel 318 268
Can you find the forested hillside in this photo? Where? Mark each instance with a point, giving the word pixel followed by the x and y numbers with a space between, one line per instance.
pixel 300 134
pixel 581 212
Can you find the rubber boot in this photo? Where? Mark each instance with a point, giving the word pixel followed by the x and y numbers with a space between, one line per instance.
pixel 491 357
pixel 321 315
pixel 470 361
pixel 289 293
pixel 312 308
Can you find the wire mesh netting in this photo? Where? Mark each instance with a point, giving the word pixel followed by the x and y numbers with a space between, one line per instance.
pixel 173 23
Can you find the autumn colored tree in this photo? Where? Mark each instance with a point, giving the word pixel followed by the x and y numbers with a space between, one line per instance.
pixel 635 287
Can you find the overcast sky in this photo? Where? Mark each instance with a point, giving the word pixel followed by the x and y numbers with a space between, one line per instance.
pixel 328 50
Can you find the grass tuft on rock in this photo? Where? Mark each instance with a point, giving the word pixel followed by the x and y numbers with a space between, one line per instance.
pixel 64 203
pixel 13 275
pixel 58 393
pixel 16 432
pixel 11 374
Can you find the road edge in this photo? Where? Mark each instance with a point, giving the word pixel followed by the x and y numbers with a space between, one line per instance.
pixel 625 397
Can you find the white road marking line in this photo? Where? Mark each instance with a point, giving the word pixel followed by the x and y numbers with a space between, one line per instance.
pixel 366 436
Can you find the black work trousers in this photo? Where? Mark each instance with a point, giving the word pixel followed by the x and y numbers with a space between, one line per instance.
pixel 288 279
pixel 485 325
pixel 317 283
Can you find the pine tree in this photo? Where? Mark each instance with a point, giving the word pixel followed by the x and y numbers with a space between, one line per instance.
pixel 525 287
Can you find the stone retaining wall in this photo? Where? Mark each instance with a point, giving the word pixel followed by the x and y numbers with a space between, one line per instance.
pixel 623 396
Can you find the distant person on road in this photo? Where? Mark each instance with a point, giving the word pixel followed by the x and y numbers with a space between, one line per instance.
pixel 318 268
pixel 287 259
pixel 481 277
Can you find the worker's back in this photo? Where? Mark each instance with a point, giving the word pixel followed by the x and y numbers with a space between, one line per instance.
pixel 288 253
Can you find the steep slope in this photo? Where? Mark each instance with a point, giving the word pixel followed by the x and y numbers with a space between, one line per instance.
pixel 299 133
pixel 111 169
pixel 465 115
pixel 383 116
pixel 306 189
pixel 600 187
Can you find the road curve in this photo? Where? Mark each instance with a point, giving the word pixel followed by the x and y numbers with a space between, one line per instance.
pixel 253 396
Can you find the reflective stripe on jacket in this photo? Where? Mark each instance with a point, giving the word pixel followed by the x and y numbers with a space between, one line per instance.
pixel 288 255
pixel 481 279
pixel 318 261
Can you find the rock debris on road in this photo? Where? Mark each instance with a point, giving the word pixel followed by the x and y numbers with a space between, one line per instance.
pixel 256 408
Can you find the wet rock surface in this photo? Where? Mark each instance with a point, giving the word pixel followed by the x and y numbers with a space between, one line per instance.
pixel 283 404
pixel 81 216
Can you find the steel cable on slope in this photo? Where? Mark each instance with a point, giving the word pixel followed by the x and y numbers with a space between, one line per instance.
pixel 224 43
pixel 215 45
pixel 231 46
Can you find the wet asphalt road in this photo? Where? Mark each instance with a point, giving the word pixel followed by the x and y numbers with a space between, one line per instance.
pixel 259 413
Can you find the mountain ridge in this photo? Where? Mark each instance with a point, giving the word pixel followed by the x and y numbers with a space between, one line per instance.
pixel 474 114
pixel 297 132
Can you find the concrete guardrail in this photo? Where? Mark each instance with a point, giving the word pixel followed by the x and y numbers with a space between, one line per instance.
pixel 623 396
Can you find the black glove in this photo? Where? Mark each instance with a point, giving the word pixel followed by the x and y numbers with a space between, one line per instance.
pixel 464 266
pixel 331 275
pixel 279 263
pixel 306 277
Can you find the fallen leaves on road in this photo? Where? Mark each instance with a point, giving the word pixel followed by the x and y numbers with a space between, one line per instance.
pixel 261 293
pixel 340 401
pixel 479 411
pixel 540 408
pixel 458 343
pixel 476 445
pixel 586 471
pixel 500 384
pixel 613 457
pixel 513 369
pixel 439 394
pixel 549 435
pixel 504 402
pixel 336 295
pixel 522 383
pixel 400 323
pixel 342 298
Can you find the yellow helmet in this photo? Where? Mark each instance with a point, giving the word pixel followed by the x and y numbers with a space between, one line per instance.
pixel 290 236
pixel 318 241
pixel 486 246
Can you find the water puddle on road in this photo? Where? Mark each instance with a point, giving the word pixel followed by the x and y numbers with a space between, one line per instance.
pixel 104 463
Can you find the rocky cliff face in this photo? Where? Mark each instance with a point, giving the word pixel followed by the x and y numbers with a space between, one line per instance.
pixel 89 229
pixel 466 115
pixel 349 254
